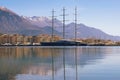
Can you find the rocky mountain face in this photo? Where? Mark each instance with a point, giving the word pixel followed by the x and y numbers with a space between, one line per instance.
pixel 12 23
pixel 9 21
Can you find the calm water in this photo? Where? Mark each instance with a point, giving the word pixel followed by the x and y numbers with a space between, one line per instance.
pixel 60 63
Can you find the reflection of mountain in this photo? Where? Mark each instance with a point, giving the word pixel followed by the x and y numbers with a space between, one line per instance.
pixel 90 56
pixel 42 69
pixel 26 56
pixel 38 60
pixel 19 53
pixel 85 56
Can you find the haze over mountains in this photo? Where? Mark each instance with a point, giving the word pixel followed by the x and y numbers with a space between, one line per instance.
pixel 11 23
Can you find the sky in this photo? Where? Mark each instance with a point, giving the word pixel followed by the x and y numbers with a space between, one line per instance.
pixel 101 14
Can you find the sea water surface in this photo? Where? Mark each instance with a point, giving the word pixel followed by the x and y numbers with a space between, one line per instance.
pixel 60 63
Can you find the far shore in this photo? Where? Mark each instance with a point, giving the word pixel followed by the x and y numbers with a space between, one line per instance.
pixel 42 45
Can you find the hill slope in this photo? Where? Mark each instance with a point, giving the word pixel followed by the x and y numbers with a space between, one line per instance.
pixel 12 23
pixel 84 31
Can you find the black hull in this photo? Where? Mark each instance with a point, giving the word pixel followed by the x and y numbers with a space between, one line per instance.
pixel 62 44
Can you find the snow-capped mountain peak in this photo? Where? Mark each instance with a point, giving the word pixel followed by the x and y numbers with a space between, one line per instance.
pixel 42 21
pixel 3 8
pixel 37 18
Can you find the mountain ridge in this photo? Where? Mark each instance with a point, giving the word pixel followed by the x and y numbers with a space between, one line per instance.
pixel 12 23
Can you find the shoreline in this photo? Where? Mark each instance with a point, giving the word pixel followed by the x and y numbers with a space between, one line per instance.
pixel 53 45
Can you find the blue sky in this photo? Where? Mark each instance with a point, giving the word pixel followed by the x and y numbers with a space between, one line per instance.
pixel 101 14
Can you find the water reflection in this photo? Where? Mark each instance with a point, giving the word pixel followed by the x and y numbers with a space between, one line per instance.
pixel 66 63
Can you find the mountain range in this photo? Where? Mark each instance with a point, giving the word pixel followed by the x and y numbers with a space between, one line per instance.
pixel 12 23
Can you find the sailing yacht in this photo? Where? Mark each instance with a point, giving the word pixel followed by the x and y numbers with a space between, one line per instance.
pixel 64 42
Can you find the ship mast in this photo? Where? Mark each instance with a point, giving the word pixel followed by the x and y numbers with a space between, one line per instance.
pixel 75 24
pixel 53 18
pixel 76 63
pixel 63 23
pixel 64 19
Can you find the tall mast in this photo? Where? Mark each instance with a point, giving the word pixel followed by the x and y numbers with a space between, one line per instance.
pixel 63 23
pixel 75 24
pixel 53 17
pixel 75 41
